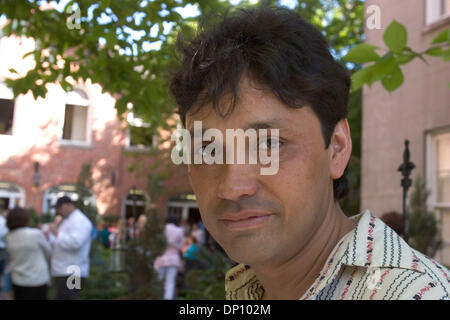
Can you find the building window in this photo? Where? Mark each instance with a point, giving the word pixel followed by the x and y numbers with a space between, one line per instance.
pixel 75 124
pixel 437 10
pixel 135 203
pixel 75 121
pixel 6 116
pixel 141 137
pixel 438 181
pixel 184 207
pixel 55 192
pixel 11 196
pixel 6 110
pixel 140 134
pixel 443 168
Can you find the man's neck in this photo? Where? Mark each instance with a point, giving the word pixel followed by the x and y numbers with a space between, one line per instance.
pixel 293 278
pixel 73 210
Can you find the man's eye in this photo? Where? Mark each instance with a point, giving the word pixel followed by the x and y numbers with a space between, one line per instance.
pixel 202 151
pixel 271 144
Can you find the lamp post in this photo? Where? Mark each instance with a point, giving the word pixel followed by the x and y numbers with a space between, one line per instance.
pixel 405 168
pixel 36 176
pixel 133 196
pixel 134 284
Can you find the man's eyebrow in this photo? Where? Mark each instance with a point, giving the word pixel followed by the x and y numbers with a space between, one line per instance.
pixel 265 124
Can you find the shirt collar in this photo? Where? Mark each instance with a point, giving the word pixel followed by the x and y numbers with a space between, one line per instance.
pixel 371 244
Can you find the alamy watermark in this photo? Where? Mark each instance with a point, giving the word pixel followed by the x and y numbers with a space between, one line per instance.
pixel 74 18
pixel 373 20
pixel 74 279
pixel 374 278
pixel 207 147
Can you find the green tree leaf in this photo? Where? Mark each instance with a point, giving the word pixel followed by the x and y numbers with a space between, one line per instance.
pixel 384 66
pixel 435 52
pixel 446 55
pixel 396 36
pixel 444 36
pixel 362 53
pixel 393 80
pixel 360 77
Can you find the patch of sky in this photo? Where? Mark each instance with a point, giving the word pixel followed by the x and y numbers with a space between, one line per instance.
pixel 164 13
pixel 59 6
pixel 154 30
pixel 147 45
pixel 291 4
pixel 138 17
pixel 188 11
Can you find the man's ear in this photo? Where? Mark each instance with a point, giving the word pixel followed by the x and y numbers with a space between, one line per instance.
pixel 340 149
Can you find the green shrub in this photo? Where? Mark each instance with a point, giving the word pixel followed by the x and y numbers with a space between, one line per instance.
pixel 207 283
pixel 102 283
pixel 425 235
pixel 140 256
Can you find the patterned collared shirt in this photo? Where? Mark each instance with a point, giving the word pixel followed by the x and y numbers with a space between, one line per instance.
pixel 371 262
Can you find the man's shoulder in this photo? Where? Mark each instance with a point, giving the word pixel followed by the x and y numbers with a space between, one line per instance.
pixel 241 284
pixel 80 219
pixel 432 283
pixel 404 272
pixel 429 281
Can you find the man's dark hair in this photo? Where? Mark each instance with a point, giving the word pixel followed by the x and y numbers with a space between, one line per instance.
pixel 275 48
pixel 17 218
pixel 63 200
pixel 172 220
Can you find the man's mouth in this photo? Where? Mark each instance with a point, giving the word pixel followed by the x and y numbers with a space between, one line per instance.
pixel 245 219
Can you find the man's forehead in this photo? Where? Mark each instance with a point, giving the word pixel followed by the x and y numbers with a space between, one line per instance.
pixel 251 99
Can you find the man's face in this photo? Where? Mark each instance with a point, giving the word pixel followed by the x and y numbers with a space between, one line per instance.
pixel 64 210
pixel 289 205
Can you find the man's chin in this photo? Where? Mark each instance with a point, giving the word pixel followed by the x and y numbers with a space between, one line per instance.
pixel 249 252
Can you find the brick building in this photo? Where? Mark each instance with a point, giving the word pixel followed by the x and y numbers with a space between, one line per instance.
pixel 418 111
pixel 45 142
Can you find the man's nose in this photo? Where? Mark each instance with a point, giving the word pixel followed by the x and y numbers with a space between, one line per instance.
pixel 236 181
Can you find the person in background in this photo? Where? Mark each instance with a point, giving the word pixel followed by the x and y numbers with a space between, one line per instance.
pixel 185 226
pixel 104 234
pixel 190 254
pixel 199 234
pixel 3 232
pixel 70 249
pixel 131 228
pixel 192 248
pixel 118 246
pixel 168 264
pixel 140 225
pixel 29 253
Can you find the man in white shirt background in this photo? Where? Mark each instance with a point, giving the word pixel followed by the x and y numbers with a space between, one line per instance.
pixel 70 259
pixel 3 231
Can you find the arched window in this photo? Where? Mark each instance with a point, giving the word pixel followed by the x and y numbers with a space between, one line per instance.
pixel 11 195
pixel 52 194
pixel 184 207
pixel 138 199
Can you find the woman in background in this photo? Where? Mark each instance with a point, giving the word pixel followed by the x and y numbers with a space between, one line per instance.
pixel 29 252
pixel 168 264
